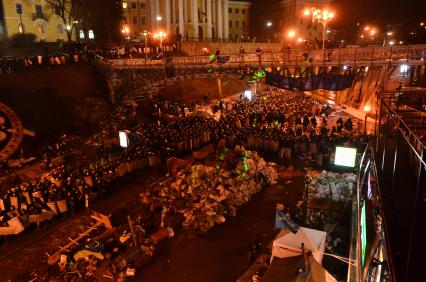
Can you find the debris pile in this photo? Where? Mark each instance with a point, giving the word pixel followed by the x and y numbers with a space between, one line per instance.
pixel 205 195
pixel 329 185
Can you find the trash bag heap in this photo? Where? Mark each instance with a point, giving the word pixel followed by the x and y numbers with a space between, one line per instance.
pixel 335 186
pixel 205 195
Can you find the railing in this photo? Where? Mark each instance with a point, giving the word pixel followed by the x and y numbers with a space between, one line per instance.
pixel 377 264
pixel 401 163
pixel 360 56
pixel 39 16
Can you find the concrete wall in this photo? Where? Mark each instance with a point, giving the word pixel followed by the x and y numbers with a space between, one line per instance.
pixel 197 48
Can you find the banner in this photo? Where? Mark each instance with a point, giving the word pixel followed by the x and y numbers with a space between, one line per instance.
pixel 333 82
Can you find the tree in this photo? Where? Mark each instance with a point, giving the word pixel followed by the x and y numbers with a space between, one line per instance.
pixel 70 11
pixel 102 16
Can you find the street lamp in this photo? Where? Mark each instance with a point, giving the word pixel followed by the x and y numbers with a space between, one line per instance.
pixel 268 27
pixel 146 50
pixel 323 17
pixel 291 33
pixel 367 110
pixel 161 36
pixel 125 31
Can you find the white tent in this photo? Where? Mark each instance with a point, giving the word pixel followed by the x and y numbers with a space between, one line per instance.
pixel 288 244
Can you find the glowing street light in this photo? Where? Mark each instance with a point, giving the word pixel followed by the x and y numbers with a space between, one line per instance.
pixel 291 33
pixel 160 36
pixel 323 17
pixel 125 31
pixel 159 18
pixel 268 23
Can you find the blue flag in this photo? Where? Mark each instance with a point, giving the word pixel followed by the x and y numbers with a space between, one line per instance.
pixel 284 222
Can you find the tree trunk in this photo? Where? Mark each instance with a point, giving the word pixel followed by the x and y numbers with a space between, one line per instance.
pixel 69 35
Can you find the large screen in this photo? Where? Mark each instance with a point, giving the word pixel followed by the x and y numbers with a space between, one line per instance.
pixel 345 156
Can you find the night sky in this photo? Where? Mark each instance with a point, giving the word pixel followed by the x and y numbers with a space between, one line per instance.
pixel 349 12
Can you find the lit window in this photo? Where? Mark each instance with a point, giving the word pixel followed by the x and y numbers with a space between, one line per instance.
pixel 21 28
pixel 81 34
pixel 91 34
pixel 60 28
pixel 42 28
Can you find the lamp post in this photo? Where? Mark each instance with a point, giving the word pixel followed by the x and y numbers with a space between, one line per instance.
pixel 145 50
pixel 320 16
pixel 268 28
pixel 161 36
pixel 367 110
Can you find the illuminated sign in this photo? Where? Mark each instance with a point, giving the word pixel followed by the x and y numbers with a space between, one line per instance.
pixel 124 140
pixel 345 156
pixel 248 94
pixel 363 233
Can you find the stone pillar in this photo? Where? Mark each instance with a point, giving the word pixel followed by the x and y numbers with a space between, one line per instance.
pixel 185 10
pixel 219 20
pixel 195 23
pixel 225 20
pixel 173 12
pixel 181 18
pixel 168 16
pixel 152 15
pixel 209 19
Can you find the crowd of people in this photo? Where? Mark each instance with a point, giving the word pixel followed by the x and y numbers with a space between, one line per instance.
pixel 278 122
pixel 10 65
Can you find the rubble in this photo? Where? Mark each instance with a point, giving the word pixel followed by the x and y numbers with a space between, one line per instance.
pixel 206 195
pixel 330 185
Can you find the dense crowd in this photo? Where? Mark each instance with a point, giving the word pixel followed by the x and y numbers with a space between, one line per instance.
pixel 14 64
pixel 285 124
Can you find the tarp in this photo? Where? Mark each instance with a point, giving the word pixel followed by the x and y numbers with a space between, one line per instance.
pixel 333 82
pixel 288 244
pixel 287 270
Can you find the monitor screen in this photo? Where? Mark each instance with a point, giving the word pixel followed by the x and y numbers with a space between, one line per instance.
pixel 345 156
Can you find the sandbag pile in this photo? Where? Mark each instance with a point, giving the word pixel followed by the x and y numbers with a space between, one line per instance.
pixel 329 185
pixel 205 195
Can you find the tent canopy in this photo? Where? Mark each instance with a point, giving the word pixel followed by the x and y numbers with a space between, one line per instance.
pixel 289 244
pixel 287 270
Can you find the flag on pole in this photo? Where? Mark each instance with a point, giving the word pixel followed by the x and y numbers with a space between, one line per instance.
pixel 284 222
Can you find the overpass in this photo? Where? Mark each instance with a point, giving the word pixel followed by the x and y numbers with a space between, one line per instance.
pixel 413 55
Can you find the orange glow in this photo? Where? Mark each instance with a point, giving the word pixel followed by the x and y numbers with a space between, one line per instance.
pixel 291 33
pixel 367 108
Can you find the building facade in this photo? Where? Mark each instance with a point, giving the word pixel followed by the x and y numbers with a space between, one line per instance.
pixel 239 20
pixel 22 16
pixel 294 19
pixel 136 14
pixel 193 20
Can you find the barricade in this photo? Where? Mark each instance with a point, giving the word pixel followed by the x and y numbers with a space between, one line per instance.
pixel 62 206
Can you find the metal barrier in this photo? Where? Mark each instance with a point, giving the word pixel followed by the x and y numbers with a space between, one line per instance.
pixel 401 161
pixel 370 249
pixel 359 56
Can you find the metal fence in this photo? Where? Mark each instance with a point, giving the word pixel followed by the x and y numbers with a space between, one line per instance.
pixel 401 161
pixel 360 56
